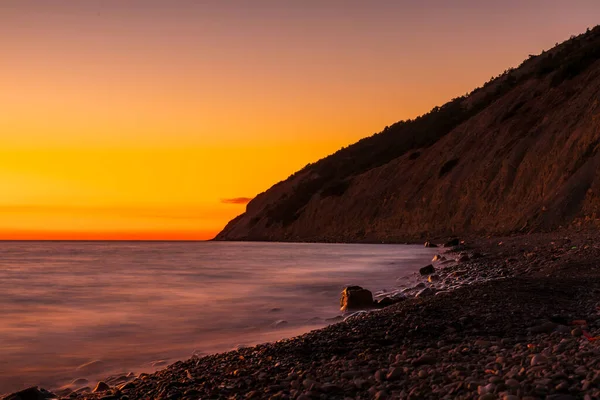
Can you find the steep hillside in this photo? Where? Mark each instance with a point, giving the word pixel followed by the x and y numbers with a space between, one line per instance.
pixel 519 154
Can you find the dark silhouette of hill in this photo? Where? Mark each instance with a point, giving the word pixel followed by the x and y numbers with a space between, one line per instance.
pixel 519 153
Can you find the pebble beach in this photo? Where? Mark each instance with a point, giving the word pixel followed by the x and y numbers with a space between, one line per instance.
pixel 516 318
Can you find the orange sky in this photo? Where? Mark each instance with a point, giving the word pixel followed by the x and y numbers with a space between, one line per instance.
pixel 138 119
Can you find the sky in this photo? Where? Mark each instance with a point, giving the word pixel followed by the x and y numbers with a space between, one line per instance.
pixel 158 119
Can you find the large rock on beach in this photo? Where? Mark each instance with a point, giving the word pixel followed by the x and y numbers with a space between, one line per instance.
pixel 427 270
pixel 356 298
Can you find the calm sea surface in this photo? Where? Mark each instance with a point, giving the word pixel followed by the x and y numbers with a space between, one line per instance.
pixel 86 310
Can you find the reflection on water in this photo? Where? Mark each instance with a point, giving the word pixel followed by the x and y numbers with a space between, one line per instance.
pixel 86 310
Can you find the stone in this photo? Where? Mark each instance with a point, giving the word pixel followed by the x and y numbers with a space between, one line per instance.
pixel 101 387
pixel 427 292
pixel 512 383
pixel 462 258
pixel 279 323
pixel 429 244
pixel 380 375
pixel 394 374
pixel 577 332
pixel 32 393
pixel 438 257
pixel 126 386
pixel 546 327
pixel 349 374
pixel 427 270
pixel 356 298
pixel 425 359
pixel 433 278
pixel 388 301
pixel 538 359
pixel 330 388
pixel 381 395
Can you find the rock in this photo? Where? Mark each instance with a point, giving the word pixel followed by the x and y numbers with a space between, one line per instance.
pixel 387 301
pixel 349 374
pixel 538 359
pixel 425 359
pixel 381 395
pixel 101 387
pixel 427 292
pixel 356 298
pixel 546 327
pixel 429 244
pixel 487 389
pixel 32 393
pixel 512 383
pixel 310 384
pixel 438 257
pixel 279 323
pixel 577 332
pixel 126 386
pixel 331 388
pixel 427 270
pixel 395 374
pixel 433 278
pixel 380 375
pixel 452 243
pixel 462 258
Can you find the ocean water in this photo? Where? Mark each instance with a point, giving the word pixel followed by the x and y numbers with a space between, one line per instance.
pixel 80 311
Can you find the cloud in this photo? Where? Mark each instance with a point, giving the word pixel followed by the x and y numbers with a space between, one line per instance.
pixel 236 200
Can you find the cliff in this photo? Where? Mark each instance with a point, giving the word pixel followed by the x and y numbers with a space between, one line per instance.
pixel 519 154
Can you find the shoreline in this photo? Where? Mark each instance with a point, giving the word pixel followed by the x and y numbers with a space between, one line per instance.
pixel 504 338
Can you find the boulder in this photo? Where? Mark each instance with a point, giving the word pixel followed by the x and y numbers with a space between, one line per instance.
pixel 429 244
pixel 356 298
pixel 438 257
pixel 101 387
pixel 32 393
pixel 427 270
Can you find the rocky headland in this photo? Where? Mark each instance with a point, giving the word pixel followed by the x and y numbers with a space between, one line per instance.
pixel 519 154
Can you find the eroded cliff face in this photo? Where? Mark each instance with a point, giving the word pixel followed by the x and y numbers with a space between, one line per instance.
pixel 520 154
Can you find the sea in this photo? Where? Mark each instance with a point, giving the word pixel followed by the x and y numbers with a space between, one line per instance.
pixel 72 313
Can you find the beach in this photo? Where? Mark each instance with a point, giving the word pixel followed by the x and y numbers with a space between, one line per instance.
pixel 527 333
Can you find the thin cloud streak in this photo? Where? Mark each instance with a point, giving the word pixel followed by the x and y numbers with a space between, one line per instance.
pixel 237 200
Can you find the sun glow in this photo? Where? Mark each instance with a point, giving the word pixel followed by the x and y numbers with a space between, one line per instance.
pixel 159 119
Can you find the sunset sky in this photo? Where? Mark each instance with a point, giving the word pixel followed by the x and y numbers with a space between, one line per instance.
pixel 148 119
